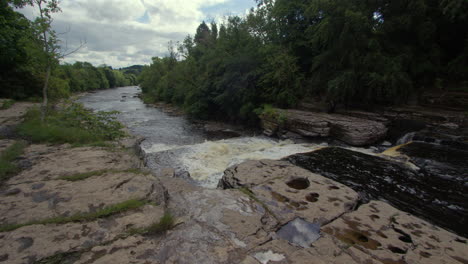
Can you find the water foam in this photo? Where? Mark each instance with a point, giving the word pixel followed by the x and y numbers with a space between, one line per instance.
pixel 207 161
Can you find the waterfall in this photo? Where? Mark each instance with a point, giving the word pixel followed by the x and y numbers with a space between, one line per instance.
pixel 406 138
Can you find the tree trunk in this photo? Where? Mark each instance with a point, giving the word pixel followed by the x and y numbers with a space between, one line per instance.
pixel 44 94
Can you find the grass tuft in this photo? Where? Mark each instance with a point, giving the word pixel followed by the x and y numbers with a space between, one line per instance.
pixel 86 175
pixel 167 222
pixel 7 104
pixel 81 217
pixel 7 166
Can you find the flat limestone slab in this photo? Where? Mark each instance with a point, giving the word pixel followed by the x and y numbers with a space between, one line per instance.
pixel 14 114
pixel 52 162
pixel 389 235
pixel 26 202
pixel 290 191
pixel 32 243
pixel 213 226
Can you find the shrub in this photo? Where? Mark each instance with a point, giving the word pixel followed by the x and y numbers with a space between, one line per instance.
pixel 7 158
pixel 7 104
pixel 74 124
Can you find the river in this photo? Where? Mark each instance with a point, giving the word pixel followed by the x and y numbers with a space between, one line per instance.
pixel 174 142
pixel 435 189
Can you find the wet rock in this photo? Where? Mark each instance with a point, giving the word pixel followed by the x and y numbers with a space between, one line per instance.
pixel 300 232
pixel 438 160
pixel 389 235
pixel 422 194
pixel 446 100
pixel 217 131
pixel 352 130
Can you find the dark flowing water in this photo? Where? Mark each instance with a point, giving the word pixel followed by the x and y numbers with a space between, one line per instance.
pixel 148 122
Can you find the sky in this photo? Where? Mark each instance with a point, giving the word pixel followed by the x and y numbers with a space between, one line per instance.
pixel 122 33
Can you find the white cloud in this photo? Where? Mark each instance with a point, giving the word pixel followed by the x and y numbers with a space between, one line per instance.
pixel 125 32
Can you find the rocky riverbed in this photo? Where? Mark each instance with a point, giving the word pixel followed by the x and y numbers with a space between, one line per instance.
pixel 62 208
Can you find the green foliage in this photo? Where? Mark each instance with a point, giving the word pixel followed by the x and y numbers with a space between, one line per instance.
pixel 7 104
pixel 364 54
pixel 29 48
pixel 269 112
pixel 7 158
pixel 20 55
pixel 166 223
pixel 81 217
pixel 74 124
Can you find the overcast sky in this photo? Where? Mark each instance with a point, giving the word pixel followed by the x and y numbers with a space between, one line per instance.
pixel 121 33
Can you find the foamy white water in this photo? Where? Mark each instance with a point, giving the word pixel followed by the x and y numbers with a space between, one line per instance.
pixel 207 161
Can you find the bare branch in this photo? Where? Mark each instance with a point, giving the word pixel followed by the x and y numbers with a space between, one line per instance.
pixel 82 44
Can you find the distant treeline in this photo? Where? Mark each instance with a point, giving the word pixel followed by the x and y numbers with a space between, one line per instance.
pixel 350 52
pixel 22 64
pixel 83 76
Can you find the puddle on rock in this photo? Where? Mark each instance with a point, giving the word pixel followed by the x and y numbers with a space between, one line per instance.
pixel 299 183
pixel 300 232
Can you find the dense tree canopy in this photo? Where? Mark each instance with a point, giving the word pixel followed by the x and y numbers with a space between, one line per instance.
pixel 357 53
pixel 23 63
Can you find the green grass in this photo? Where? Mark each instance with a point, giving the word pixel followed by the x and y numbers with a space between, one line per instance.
pixel 167 222
pixel 81 217
pixel 74 124
pixel 7 166
pixel 7 104
pixel 86 175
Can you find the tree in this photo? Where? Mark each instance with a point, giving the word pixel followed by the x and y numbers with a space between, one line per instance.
pixel 49 41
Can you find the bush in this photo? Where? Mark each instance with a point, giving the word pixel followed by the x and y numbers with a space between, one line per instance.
pixel 272 113
pixel 74 124
pixel 7 158
pixel 7 104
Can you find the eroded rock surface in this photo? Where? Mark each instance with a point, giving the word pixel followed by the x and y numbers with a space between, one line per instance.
pixel 51 162
pixel 290 191
pixel 11 117
pixel 389 235
pixel 424 195
pixel 36 242
pixel 351 130
pixel 40 193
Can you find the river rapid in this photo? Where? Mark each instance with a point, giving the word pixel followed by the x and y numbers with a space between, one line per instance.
pixel 174 142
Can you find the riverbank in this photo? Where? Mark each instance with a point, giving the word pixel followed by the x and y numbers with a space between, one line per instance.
pixel 99 205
